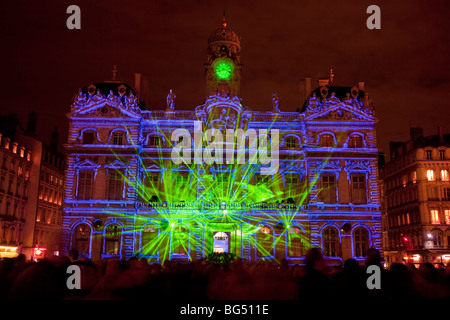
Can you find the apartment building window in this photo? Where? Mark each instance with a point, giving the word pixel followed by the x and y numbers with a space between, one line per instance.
pixel 446 194
pixel 444 175
pixel 429 154
pixel 442 154
pixel 414 176
pixel 430 175
pixel 447 217
pixel 327 193
pixel 85 181
pixel 359 195
pixel 434 215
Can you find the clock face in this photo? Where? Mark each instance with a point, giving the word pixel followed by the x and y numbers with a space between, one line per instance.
pixel 223 70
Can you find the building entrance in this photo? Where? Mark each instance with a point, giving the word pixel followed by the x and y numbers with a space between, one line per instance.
pixel 221 241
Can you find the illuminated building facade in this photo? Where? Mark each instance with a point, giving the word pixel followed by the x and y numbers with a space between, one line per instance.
pixel 125 195
pixel 416 200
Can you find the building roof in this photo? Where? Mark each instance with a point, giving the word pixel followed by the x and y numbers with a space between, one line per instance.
pixel 340 93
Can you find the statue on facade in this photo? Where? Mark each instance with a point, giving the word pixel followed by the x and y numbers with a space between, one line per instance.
pixel 79 99
pixel 131 100
pixel 276 103
pixel 313 102
pixel 171 100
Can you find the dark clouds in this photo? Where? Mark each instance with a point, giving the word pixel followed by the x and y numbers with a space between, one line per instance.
pixel 405 64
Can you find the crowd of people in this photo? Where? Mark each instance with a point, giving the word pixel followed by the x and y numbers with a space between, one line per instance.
pixel 204 280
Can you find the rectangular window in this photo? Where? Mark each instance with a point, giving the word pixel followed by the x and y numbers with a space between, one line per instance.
pixel 446 194
pixel 115 185
pixel 85 180
pixel 432 194
pixel 430 175
pixel 327 193
pixel 444 175
pixel 435 216
pixel 359 189
pixel 447 217
pixel 414 176
pixel 429 156
pixel 442 154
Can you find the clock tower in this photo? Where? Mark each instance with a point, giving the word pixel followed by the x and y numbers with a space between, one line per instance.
pixel 223 68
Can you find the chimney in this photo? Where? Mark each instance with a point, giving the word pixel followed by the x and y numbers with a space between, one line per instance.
pixel 137 84
pixel 301 91
pixel 31 124
pixel 54 139
pixel 441 135
pixel 416 134
pixel 361 85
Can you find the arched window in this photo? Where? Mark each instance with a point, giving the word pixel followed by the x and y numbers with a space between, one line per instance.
pixel 149 241
pixel 360 241
pixel 290 142
pixel 180 240
pixel 154 141
pixel 112 239
pixel 81 239
pixel 264 241
pixel 330 237
pixel 88 137
pixel 326 140
pixel 296 239
pixel 355 141
pixel 119 138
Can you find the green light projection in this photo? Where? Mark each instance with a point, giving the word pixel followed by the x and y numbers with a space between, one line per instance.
pixel 223 69
pixel 183 209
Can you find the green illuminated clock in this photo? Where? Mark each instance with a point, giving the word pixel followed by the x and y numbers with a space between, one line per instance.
pixel 223 69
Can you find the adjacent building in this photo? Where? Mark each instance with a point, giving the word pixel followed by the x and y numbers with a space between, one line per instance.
pixel 31 189
pixel 416 199
pixel 128 193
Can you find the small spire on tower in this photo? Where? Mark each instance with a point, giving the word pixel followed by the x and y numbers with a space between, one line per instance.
pixel 114 72
pixel 331 76
pixel 224 22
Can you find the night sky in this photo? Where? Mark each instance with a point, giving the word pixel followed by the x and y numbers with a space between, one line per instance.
pixel 405 65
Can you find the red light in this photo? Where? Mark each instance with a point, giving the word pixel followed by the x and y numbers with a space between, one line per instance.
pixel 405 239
